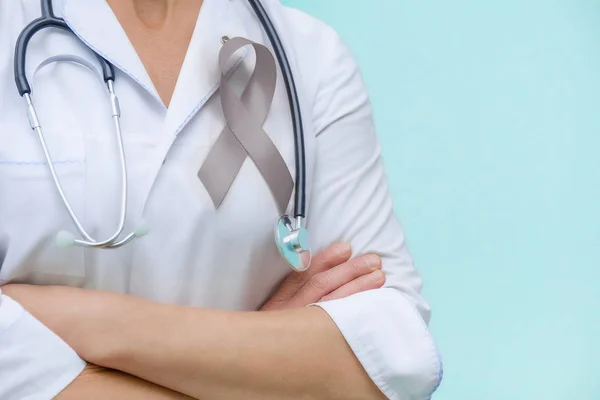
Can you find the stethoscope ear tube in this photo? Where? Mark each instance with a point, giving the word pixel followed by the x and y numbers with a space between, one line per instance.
pixel 47 20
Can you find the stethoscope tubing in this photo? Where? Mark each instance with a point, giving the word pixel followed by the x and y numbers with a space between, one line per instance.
pixel 49 20
pixel 296 114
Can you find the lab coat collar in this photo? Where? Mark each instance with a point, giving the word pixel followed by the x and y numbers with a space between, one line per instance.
pixel 95 24
pixel 199 77
pixel 200 74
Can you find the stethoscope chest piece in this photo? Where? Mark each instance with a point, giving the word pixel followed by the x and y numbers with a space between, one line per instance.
pixel 293 243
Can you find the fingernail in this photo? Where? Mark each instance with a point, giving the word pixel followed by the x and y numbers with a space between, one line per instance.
pixel 342 249
pixel 373 261
pixel 378 276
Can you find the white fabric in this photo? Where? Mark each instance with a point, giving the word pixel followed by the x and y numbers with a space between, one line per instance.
pixel 34 362
pixel 194 255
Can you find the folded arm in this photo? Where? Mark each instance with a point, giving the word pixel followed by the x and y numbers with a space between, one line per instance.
pixel 208 354
pixel 284 352
pixel 36 363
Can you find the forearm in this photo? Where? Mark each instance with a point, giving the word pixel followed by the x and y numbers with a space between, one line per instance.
pixel 296 354
pixel 96 383
pixel 208 354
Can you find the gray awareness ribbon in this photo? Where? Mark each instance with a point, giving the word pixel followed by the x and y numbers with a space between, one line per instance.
pixel 243 134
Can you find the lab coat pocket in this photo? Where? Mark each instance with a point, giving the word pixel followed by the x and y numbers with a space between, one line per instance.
pixel 31 209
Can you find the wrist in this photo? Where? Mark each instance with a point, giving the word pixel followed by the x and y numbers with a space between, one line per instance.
pixel 100 329
pixel 121 327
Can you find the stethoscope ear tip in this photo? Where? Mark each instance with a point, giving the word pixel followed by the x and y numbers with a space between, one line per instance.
pixel 142 230
pixel 65 239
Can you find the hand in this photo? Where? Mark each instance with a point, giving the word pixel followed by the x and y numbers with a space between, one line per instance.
pixel 72 313
pixel 332 276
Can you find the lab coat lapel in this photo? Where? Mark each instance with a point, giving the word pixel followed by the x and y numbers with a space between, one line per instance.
pixel 200 74
pixel 96 25
pixel 198 79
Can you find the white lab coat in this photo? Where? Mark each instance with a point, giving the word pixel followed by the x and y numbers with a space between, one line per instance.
pixel 194 255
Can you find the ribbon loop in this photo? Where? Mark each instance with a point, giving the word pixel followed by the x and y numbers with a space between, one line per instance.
pixel 243 134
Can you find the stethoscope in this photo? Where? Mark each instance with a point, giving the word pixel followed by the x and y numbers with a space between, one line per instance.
pixel 291 236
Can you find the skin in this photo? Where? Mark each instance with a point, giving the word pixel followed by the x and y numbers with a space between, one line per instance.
pixel 98 383
pixel 143 350
pixel 284 339
pixel 160 31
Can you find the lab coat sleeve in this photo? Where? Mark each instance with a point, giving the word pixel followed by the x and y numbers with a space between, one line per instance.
pixel 350 201
pixel 35 364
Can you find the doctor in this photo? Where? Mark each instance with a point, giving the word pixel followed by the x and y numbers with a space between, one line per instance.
pixel 204 305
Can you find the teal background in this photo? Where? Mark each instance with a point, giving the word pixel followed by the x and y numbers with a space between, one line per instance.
pixel 489 113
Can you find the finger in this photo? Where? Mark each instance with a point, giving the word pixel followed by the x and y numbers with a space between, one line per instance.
pixel 330 280
pixel 330 257
pixel 374 280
